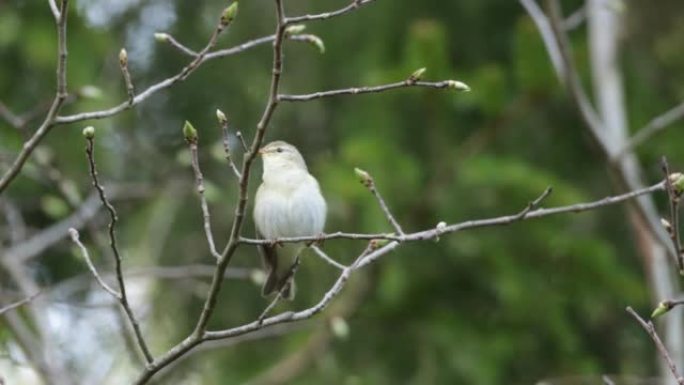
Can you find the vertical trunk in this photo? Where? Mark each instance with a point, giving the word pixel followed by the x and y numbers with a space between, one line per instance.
pixel 605 22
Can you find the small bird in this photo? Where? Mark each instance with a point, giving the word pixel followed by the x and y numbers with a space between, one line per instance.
pixel 288 204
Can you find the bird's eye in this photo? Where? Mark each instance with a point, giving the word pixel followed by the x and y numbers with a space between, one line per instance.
pixel 279 149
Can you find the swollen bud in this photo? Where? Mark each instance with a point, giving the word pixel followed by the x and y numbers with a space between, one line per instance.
pixel 315 41
pixel 229 14
pixel 295 29
pixel 123 57
pixel 161 37
pixel 221 117
pixel 378 243
pixel 364 177
pixel 666 224
pixel 458 86
pixel 677 181
pixel 663 307
pixel 189 132
pixel 89 132
pixel 417 75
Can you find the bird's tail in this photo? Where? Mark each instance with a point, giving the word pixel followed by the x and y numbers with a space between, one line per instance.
pixel 277 280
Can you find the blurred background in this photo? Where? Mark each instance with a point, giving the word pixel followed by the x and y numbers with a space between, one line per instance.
pixel 518 304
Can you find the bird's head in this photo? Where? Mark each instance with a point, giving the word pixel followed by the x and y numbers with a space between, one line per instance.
pixel 280 155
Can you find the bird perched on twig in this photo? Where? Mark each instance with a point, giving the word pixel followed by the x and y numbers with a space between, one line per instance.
pixel 288 204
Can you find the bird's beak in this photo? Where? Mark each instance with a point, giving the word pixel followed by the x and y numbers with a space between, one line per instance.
pixel 261 151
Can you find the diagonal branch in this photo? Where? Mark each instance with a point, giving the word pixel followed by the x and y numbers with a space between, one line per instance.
pixel 75 238
pixel 55 107
pixel 17 304
pixel 445 84
pixel 123 298
pixel 653 127
pixel 650 329
pixel 199 182
pixel 327 15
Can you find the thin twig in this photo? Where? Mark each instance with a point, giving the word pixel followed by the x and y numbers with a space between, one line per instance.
pixel 650 329
pixel 54 9
pixel 123 64
pixel 327 15
pixel 576 18
pixel 10 117
pixel 368 181
pixel 55 107
pixel 241 138
pixel 371 89
pixel 168 82
pixel 199 182
pixel 123 299
pixel 17 304
pixel 165 37
pixel 653 127
pixel 535 203
pixel 327 258
pixel 223 121
pixel 673 223
pixel 75 238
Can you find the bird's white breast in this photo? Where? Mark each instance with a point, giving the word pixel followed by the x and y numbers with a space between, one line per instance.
pixel 289 204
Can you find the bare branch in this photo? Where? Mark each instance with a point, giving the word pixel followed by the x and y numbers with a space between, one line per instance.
pixel 673 224
pixel 489 222
pixel 123 64
pixel 17 304
pixel 327 15
pixel 327 258
pixel 166 38
pixel 123 298
pixel 54 9
pixel 75 238
pixel 56 106
pixel 650 329
pixel 374 89
pixel 223 121
pixel 10 117
pixel 199 182
pixel 367 180
pixel 653 127
pixel 242 141
pixel 535 203
pixel 575 19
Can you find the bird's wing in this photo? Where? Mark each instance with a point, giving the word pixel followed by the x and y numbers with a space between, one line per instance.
pixel 269 258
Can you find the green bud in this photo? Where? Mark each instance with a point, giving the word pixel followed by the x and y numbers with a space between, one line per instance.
pixel 663 307
pixel 458 86
pixel 364 177
pixel 417 74
pixel 221 117
pixel 317 42
pixel 229 13
pixel 378 243
pixel 677 181
pixel 295 29
pixel 123 57
pixel 89 132
pixel 189 132
pixel 161 37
